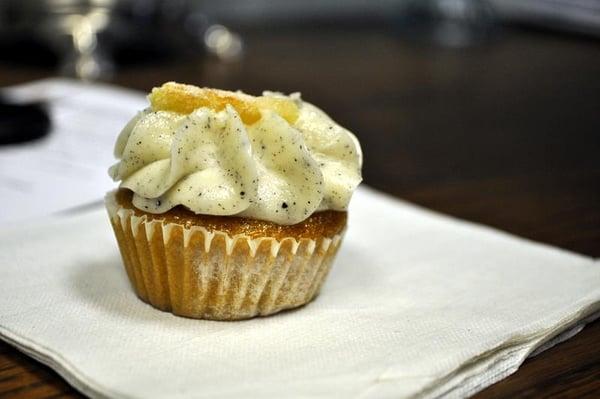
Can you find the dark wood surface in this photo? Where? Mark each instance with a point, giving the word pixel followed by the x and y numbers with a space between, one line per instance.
pixel 506 134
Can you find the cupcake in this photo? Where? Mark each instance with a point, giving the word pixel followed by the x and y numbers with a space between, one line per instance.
pixel 230 206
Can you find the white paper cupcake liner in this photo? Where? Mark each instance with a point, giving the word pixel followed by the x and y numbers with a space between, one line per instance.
pixel 205 274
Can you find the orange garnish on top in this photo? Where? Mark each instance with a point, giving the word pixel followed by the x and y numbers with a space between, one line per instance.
pixel 184 99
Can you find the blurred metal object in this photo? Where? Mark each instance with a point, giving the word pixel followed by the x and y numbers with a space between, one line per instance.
pixel 68 29
pixel 462 22
pixel 447 23
pixel 580 16
pixel 87 60
pixel 223 43
pixel 90 38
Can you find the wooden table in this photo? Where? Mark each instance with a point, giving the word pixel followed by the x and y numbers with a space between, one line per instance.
pixel 506 134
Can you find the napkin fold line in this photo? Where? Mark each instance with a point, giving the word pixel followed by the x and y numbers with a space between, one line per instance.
pixel 58 364
pixel 506 363
pixel 503 360
pixel 497 367
pixel 501 354
pixel 565 335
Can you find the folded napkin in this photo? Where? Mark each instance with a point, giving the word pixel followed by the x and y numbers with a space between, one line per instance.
pixel 417 305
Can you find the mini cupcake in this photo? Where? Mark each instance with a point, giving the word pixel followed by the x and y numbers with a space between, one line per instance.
pixel 230 206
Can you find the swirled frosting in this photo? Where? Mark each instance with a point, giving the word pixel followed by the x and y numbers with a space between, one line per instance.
pixel 274 157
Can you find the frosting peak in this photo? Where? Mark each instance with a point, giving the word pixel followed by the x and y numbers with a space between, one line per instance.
pixel 273 157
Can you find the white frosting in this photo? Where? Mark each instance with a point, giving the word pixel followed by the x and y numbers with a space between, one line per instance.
pixel 212 163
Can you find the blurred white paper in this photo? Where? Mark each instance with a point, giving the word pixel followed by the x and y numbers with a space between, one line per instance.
pixel 67 168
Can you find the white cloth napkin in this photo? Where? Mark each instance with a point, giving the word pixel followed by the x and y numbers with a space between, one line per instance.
pixel 417 304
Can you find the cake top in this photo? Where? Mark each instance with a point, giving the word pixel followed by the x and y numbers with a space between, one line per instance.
pixel 271 157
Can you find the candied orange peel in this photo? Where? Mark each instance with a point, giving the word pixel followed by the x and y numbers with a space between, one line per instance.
pixel 184 99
